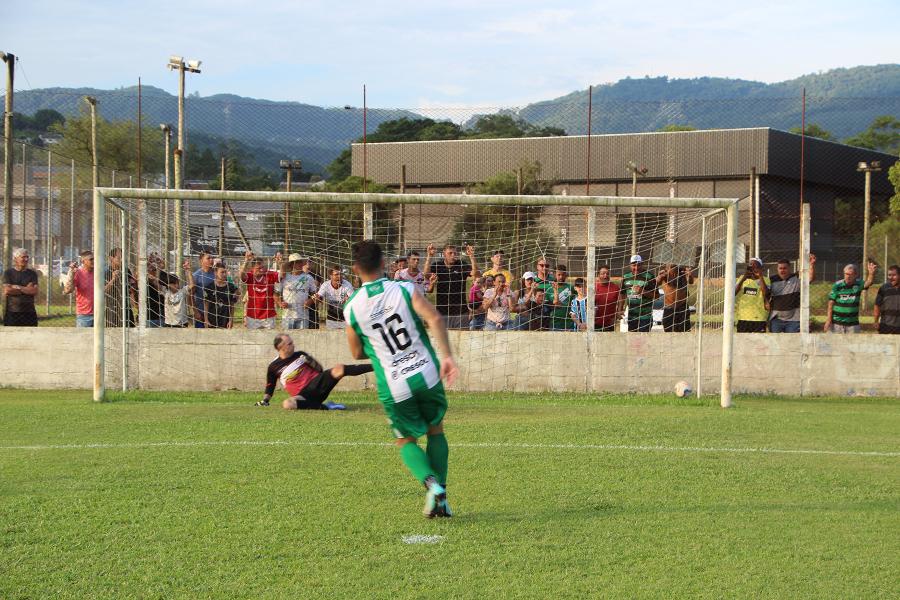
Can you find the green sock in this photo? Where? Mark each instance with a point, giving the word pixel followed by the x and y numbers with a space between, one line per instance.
pixel 416 461
pixel 438 453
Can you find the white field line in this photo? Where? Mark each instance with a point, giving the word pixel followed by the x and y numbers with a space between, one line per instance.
pixel 512 446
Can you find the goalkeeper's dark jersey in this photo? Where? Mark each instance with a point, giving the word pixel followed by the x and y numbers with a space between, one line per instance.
pixel 295 372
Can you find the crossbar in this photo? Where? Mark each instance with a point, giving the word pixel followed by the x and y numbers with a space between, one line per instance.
pixel 335 197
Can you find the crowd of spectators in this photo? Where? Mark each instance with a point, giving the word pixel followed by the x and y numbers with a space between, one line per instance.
pixel 492 300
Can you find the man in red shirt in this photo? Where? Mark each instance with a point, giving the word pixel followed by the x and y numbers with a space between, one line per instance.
pixel 606 302
pixel 260 282
pixel 81 281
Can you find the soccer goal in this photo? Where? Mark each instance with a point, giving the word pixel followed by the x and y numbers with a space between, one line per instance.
pixel 549 293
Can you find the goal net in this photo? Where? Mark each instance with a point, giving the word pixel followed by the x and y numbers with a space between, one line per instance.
pixel 541 293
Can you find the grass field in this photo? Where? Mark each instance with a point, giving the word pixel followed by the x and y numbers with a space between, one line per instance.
pixel 556 496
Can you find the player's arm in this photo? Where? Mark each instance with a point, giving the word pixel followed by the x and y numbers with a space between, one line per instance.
pixel 356 347
pixel 435 322
pixel 271 379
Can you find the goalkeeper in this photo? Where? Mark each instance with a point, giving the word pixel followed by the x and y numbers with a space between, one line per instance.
pixel 303 378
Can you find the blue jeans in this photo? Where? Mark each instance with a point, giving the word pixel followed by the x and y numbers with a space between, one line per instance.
pixel 154 323
pixel 294 324
pixel 477 322
pixel 84 320
pixel 492 326
pixel 779 326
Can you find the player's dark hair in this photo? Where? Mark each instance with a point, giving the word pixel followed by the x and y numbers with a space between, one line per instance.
pixel 86 253
pixel 894 268
pixel 603 267
pixel 579 281
pixel 562 268
pixel 278 339
pixel 411 253
pixel 784 261
pixel 367 256
pixel 450 247
pixel 204 255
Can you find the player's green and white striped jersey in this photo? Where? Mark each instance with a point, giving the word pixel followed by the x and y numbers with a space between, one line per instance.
pixel 394 338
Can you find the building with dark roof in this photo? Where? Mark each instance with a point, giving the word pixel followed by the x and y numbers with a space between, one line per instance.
pixel 689 164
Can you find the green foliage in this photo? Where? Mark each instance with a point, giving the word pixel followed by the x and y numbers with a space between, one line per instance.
pixel 813 130
pixel 673 127
pixel 31 128
pixel 889 228
pixel 116 143
pixel 508 228
pixel 507 126
pixel 354 185
pixel 882 135
pixel 894 176
pixel 411 130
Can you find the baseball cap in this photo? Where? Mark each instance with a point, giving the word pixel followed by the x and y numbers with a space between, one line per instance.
pixel 528 275
pixel 756 260
pixel 636 258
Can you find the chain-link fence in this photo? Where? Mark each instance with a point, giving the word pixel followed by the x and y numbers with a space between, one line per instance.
pixel 682 148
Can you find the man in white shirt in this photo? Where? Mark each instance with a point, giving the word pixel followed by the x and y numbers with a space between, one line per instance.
pixel 335 292
pixel 293 293
pixel 413 275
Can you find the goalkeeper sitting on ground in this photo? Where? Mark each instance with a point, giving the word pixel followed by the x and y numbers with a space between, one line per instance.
pixel 303 378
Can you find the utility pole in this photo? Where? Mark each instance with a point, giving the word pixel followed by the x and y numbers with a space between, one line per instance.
pixel 288 166
pixel 10 61
pixel 868 169
pixel 167 140
pixel 95 172
pixel 193 66
pixel 222 213
pixel 635 170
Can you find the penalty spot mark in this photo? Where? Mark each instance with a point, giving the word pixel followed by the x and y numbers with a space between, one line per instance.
pixel 422 539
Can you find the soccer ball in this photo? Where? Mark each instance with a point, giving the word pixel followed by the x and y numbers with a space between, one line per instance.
pixel 683 389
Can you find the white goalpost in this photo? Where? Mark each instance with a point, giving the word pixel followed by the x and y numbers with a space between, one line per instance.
pixel 583 235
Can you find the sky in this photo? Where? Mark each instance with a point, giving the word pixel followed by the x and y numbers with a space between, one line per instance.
pixel 433 55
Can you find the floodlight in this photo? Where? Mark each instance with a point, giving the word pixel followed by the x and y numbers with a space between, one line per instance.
pixel 298 164
pixel 284 164
pixel 875 164
pixel 176 60
pixel 862 166
pixel 194 64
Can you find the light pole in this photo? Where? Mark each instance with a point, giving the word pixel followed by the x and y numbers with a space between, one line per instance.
pixel 167 141
pixel 10 61
pixel 635 170
pixel 288 166
pixel 868 169
pixel 192 66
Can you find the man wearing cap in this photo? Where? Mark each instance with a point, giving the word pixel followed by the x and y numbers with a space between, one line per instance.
pixel 293 293
pixel 639 290
pixel 498 269
pixel 20 286
pixel 751 293
pixel 203 279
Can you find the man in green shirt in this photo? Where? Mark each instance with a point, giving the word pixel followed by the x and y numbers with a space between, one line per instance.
pixel 558 295
pixel 639 290
pixel 843 301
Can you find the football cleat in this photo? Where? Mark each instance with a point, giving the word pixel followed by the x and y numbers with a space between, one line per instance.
pixel 262 403
pixel 335 406
pixel 443 508
pixel 434 498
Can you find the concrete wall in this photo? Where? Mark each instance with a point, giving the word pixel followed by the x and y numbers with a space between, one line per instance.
pixel 161 359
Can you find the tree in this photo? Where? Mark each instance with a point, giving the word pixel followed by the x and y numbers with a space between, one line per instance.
pixel 116 143
pixel 894 176
pixel 813 130
pixel 882 135
pixel 889 228
pixel 507 126
pixel 509 228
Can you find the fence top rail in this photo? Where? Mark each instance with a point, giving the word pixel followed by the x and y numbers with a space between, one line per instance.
pixel 336 197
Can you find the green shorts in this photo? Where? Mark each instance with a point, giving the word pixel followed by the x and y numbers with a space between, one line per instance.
pixel 412 417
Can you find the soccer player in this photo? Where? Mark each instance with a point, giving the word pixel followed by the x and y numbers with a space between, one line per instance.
pixel 384 322
pixel 303 378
